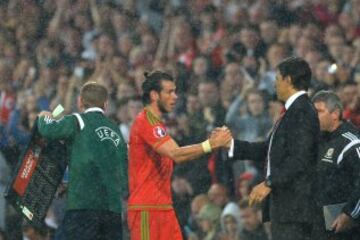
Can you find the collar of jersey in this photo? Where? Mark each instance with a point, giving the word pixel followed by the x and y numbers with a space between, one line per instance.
pixel 94 109
pixel 153 114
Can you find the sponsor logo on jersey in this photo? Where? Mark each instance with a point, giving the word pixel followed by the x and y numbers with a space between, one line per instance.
pixel 105 133
pixel 159 132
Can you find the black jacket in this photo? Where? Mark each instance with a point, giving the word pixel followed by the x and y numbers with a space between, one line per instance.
pixel 292 162
pixel 338 169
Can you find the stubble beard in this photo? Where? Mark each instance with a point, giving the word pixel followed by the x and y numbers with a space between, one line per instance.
pixel 162 107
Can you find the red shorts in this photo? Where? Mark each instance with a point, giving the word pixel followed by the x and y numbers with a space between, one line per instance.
pixel 153 225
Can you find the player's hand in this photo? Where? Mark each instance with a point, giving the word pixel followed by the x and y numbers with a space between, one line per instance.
pixel 259 193
pixel 220 137
pixel 45 113
pixel 342 223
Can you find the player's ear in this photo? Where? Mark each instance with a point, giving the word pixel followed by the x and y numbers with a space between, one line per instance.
pixel 154 95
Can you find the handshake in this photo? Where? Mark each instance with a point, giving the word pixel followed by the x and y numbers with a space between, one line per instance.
pixel 219 137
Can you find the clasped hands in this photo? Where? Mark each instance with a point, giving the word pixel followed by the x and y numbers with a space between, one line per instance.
pixel 220 137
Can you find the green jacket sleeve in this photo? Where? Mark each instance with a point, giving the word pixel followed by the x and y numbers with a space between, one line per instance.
pixel 57 129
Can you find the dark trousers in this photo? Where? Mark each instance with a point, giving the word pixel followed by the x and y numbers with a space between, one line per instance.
pixel 291 231
pixel 90 225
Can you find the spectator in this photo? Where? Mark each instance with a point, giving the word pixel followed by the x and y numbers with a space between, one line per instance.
pixel 232 83
pixel 134 106
pixel 255 123
pixel 253 229
pixel 275 53
pixel 7 92
pixel 231 223
pixel 269 32
pixel 209 220
pixel 244 185
pixel 213 112
pixel 252 124
pixel 192 228
pixel 219 195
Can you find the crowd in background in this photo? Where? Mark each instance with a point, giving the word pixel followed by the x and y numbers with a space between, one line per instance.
pixel 223 54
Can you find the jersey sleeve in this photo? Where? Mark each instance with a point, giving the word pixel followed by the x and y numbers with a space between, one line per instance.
pixel 64 128
pixel 154 135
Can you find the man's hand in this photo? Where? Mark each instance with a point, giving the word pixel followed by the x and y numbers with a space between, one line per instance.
pixel 342 223
pixel 220 137
pixel 259 193
pixel 45 113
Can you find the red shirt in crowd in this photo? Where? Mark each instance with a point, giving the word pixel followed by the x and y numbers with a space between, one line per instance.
pixel 7 104
pixel 353 116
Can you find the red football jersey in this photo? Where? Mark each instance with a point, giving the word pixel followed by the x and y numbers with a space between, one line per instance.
pixel 149 172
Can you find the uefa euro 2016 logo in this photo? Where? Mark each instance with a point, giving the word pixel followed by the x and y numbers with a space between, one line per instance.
pixel 159 132
pixel 105 133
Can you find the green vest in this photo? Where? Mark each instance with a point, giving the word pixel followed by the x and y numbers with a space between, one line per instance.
pixel 97 159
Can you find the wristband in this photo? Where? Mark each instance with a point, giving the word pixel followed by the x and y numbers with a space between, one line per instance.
pixel 206 146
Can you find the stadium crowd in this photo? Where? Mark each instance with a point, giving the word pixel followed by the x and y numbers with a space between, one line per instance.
pixel 223 54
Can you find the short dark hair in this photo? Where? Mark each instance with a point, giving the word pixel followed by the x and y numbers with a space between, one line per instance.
pixel 153 82
pixel 298 70
pixel 331 100
pixel 93 94
pixel 244 204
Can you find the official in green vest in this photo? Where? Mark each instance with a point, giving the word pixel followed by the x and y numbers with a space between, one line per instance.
pixel 97 167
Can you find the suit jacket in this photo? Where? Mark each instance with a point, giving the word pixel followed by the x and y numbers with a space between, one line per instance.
pixel 292 162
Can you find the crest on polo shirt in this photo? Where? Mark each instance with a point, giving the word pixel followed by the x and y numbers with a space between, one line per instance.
pixel 159 132
pixel 328 156
pixel 105 133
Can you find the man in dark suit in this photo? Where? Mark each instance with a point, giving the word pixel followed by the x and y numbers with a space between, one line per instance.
pixel 289 155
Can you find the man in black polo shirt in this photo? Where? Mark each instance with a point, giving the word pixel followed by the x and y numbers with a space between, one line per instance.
pixel 338 170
